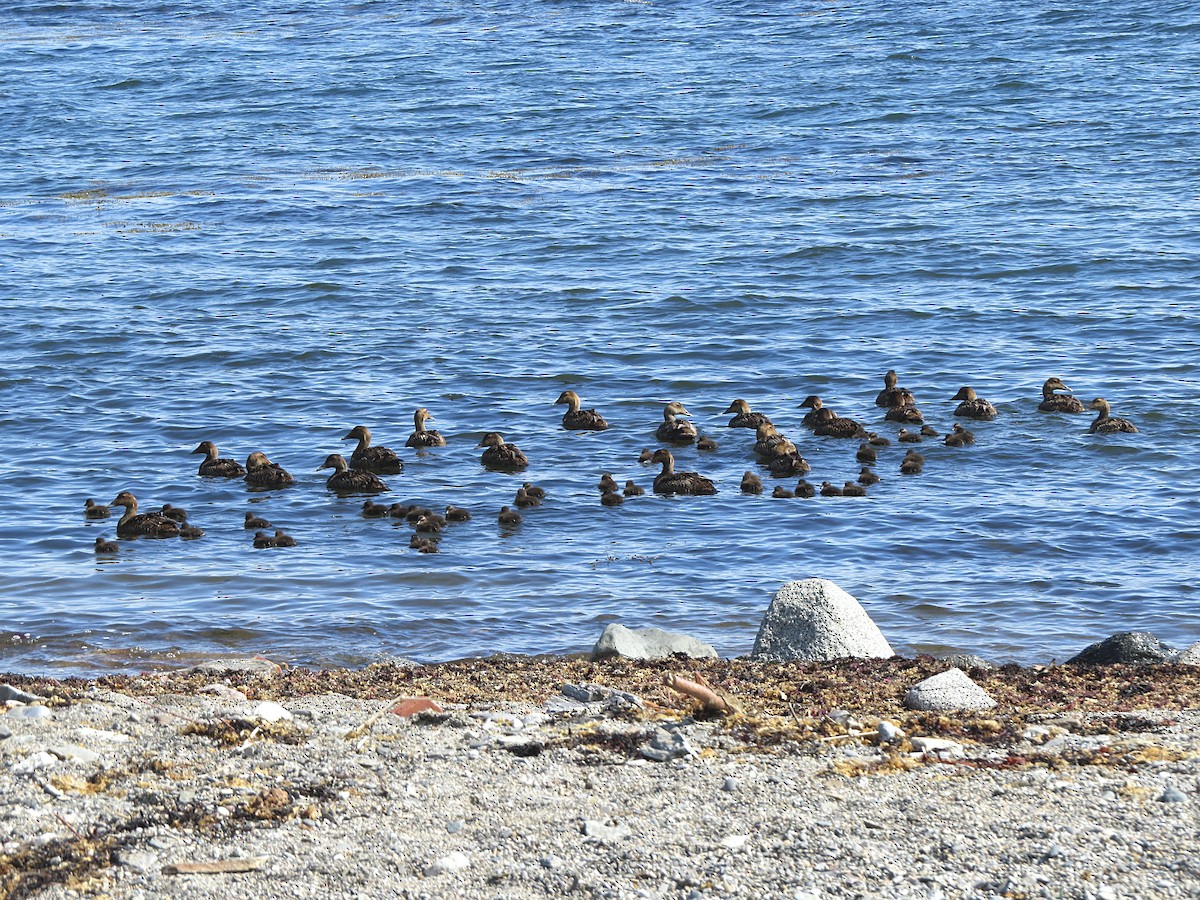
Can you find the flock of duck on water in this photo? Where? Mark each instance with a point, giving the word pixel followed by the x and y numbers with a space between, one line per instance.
pixel 773 450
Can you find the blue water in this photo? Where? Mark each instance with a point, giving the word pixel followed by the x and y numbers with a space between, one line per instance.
pixel 264 223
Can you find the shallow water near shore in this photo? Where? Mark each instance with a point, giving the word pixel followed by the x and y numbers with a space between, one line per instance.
pixel 266 226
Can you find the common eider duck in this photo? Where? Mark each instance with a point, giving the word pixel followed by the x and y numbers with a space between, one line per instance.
pixel 767 439
pixel 423 544
pixel 751 483
pixel 93 510
pixel 785 464
pixel 912 464
pixel 853 490
pixel 867 477
pixel 524 500
pixel 928 431
pixel 103 546
pixel 877 440
pixel 743 417
pixel 174 512
pixel 782 493
pixel 866 453
pixel 668 481
pixel 1052 402
pixel 892 396
pixel 576 419
pixel 149 524
pixel 645 456
pixel 345 480
pixel 501 456
pixel 959 437
pixel 830 490
pixel 422 437
pixel 908 437
pixel 215 467
pixel 372 459
pixel 457 514
pixel 373 510
pixel 253 521
pixel 830 424
pixel 805 489
pixel 261 472
pixel 415 513
pixel 262 540
pixel 972 405
pixel 283 540
pixel 508 517
pixel 534 491
pixel 633 490
pixel 611 498
pixel 429 524
pixel 673 430
pixel 706 444
pixel 190 532
pixel 908 414
pixel 814 406
pixel 607 483
pixel 1105 423
pixel 399 510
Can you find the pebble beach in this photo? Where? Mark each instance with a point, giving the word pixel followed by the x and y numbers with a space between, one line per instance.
pixel 538 777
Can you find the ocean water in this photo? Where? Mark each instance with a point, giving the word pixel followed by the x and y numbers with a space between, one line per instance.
pixel 261 224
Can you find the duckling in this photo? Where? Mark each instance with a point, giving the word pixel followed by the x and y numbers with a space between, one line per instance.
pixel 973 406
pixel 633 490
pixel 645 456
pixel 892 396
pixel 373 510
pixel 534 491
pixel 668 481
pixel 786 464
pixel 830 424
pixel 215 467
pixel 929 431
pixel 707 444
pixel 959 437
pixel 853 490
pixel 283 540
pixel 611 498
pixel 399 510
pixel 673 430
pixel 149 524
pixel 782 493
pixel 262 540
pixel 500 456
pixel 812 403
pixel 509 517
pixel 103 546
pixel 458 514
pixel 805 490
pixel 345 480
pixel 576 419
pixel 1105 423
pixel 416 513
pixel 867 476
pixel 174 512
pixel 420 436
pixel 93 510
pixel 423 544
pixel 430 524
pixel 190 532
pixel 866 454
pixel 253 521
pixel 1052 402
pixel 524 501
pixel 261 472
pixel 830 490
pixel 743 418
pixel 912 464
pixel 908 437
pixel 751 483
pixel 372 459
pixel 607 483
pixel 877 440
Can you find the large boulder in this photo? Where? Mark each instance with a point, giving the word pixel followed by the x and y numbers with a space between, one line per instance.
pixel 648 643
pixel 1127 647
pixel 815 619
pixel 951 689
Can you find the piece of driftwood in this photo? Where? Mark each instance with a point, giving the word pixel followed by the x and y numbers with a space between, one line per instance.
pixel 217 866
pixel 701 690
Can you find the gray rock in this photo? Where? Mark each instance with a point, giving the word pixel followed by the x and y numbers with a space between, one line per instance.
pixel 1127 647
pixel 951 689
pixel 1172 794
pixel 668 743
pixel 968 661
pixel 648 643
pixel 74 753
pixel 244 666
pixel 30 712
pixel 1189 656
pixel 451 862
pixel 816 620
pixel 5 734
pixel 8 692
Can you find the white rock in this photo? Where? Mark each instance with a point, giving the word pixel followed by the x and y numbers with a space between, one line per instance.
pixel 1190 656
pixel 735 841
pixel 648 643
pixel 30 712
pixel 75 753
pixel 595 830
pixel 269 711
pixel 952 689
pixel 451 862
pixel 816 620
pixel 937 746
pixel 34 762
pixel 889 732
pixel 99 734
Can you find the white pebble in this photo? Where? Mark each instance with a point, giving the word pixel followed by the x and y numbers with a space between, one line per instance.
pixel 452 862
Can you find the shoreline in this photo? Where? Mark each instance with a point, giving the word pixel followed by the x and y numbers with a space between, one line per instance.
pixel 1081 780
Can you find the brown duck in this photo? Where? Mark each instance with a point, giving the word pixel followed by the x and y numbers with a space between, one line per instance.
pixel 146 524
pixel 673 430
pixel 215 467
pixel 973 406
pixel 500 456
pixel 891 395
pixel 743 417
pixel 345 480
pixel 668 481
pixel 372 459
pixel 1052 402
pixel 261 472
pixel 576 419
pixel 1106 423
pixel 421 437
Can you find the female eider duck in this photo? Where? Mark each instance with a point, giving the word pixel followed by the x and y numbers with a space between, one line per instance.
pixel 93 510
pixel 501 456
pixel 149 524
pixel 1052 402
pixel 1106 423
pixel 907 413
pixel 768 439
pixel 814 406
pixel 576 419
pixel 743 418
pixel 372 459
pixel 891 395
pixel 345 480
pixel 673 430
pixel 668 481
pixel 972 405
pixel 261 472
pixel 215 467
pixel 830 424
pixel 422 437
pixel 790 463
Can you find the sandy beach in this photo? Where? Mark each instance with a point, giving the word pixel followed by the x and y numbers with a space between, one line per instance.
pixel 276 782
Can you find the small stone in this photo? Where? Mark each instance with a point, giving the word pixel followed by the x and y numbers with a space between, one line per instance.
pixel 30 712
pixel 75 753
pixel 5 734
pixel 138 861
pixel 735 841
pixel 456 826
pixel 8 692
pixel 968 661
pixel 595 830
pixel 667 744
pixel 34 762
pixel 451 862
pixel 587 693
pixel 551 862
pixel 648 643
pixel 1172 794
pixel 889 732
pixel 729 784
pixel 269 711
pixel 948 690
pixel 937 746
